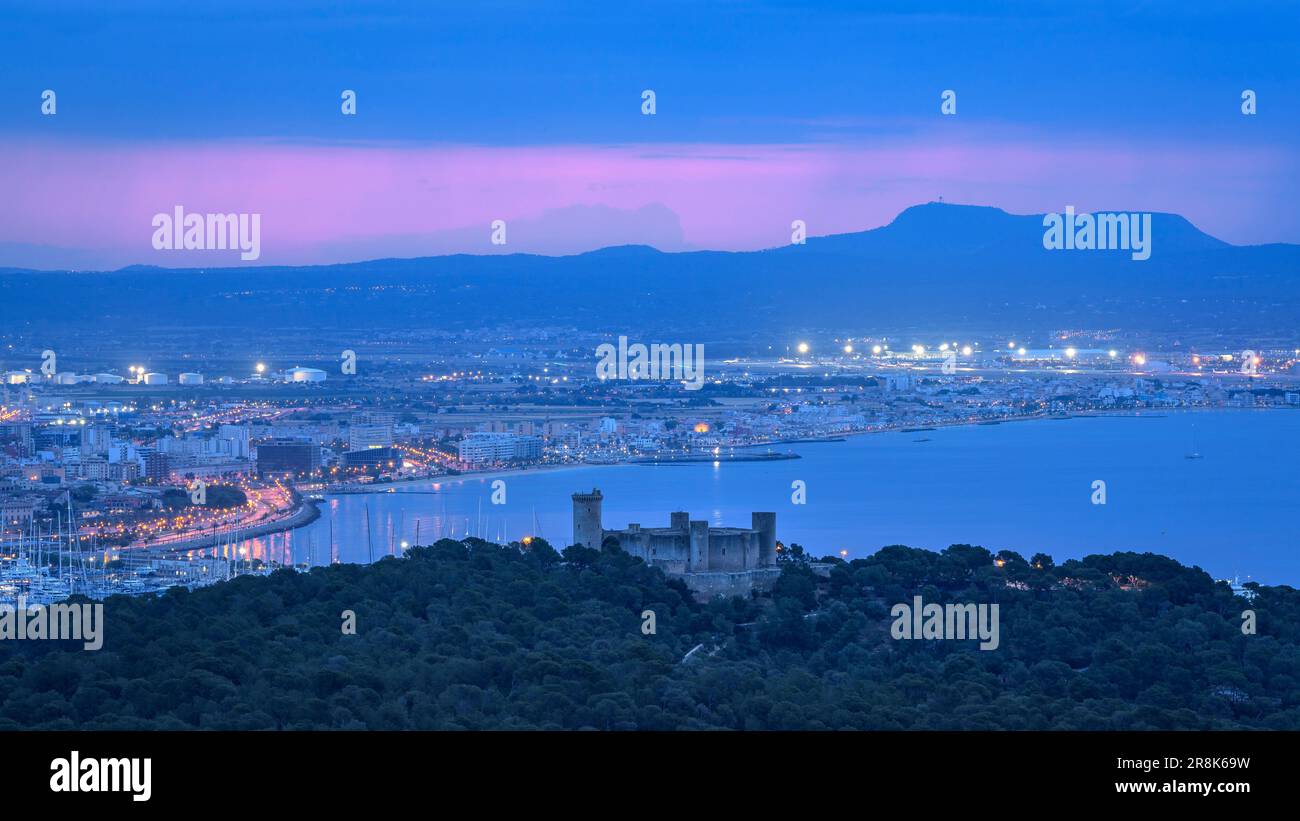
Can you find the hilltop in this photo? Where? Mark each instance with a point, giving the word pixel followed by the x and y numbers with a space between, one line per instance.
pixel 476 635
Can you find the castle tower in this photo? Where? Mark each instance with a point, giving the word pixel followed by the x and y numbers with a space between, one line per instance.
pixel 679 520
pixel 586 519
pixel 765 524
pixel 699 536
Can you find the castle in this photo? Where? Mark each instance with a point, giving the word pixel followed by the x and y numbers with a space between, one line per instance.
pixel 711 560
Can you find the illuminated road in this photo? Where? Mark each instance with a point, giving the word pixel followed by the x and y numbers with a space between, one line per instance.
pixel 265 504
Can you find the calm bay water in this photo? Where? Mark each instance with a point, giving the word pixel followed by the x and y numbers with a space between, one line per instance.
pixel 1023 486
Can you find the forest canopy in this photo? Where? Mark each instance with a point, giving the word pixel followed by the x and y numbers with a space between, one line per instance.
pixel 472 635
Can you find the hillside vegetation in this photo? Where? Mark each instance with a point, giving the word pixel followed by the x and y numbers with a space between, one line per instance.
pixel 472 635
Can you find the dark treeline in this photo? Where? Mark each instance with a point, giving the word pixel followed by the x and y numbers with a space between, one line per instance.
pixel 474 635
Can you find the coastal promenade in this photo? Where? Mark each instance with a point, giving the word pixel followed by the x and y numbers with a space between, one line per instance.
pixel 304 514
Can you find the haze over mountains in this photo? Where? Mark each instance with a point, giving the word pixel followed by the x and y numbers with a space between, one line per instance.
pixel 935 265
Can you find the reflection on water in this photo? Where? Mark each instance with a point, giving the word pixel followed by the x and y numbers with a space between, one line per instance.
pixel 1024 486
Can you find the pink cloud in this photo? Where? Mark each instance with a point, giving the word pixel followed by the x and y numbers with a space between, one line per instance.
pixel 317 199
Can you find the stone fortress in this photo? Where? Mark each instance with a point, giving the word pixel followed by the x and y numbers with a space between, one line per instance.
pixel 726 561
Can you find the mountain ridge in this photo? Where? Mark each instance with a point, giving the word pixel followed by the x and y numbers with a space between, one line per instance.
pixel 914 224
pixel 934 263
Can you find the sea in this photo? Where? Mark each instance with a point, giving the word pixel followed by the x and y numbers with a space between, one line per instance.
pixel 1218 489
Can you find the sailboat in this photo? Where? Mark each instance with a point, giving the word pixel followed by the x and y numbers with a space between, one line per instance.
pixel 1195 454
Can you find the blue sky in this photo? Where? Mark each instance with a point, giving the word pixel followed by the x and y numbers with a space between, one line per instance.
pixel 528 73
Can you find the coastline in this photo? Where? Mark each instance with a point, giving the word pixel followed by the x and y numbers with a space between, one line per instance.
pixel 1149 413
pixel 299 519
pixel 463 476
pixel 497 473
pixel 307 512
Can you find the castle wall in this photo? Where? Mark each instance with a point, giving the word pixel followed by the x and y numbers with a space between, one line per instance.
pixel 670 552
pixel 727 549
pixel 699 540
pixel 665 550
pixel 707 584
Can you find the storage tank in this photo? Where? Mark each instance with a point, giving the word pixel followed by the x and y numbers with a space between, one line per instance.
pixel 306 375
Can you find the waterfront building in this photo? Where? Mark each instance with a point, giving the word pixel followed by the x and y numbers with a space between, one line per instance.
pixel 296 456
pixel 365 436
pixel 373 459
pixel 485 448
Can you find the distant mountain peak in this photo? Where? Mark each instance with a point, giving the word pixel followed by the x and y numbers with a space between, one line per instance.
pixel 622 251
pixel 944 227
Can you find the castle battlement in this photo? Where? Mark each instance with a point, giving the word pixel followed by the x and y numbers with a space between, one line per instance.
pixel 689 549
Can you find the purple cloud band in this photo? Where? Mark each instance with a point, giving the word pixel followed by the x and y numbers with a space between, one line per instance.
pixel 331 203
